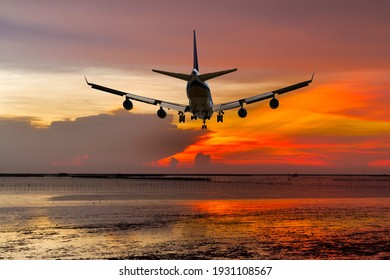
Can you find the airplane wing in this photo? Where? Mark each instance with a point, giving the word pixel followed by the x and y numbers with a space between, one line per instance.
pixel 147 100
pixel 259 97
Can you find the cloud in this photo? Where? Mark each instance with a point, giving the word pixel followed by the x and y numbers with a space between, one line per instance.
pixel 333 145
pixel 275 35
pixel 122 142
pixel 173 162
pixel 202 160
pixel 380 163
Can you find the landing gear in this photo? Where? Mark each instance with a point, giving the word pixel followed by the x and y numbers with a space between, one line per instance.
pixel 182 117
pixel 220 116
pixel 194 117
pixel 204 126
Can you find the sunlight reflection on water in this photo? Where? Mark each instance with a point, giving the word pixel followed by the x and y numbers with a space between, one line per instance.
pixel 63 218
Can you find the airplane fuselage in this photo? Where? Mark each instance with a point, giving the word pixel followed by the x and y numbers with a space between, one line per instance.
pixel 199 97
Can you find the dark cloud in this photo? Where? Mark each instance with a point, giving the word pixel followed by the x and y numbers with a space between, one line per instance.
pixel 202 161
pixel 122 142
pixel 173 162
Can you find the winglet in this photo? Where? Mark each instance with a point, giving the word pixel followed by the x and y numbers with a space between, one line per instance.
pixel 86 80
pixel 312 76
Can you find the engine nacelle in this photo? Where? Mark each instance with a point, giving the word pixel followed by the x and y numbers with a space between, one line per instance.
pixel 161 113
pixel 242 113
pixel 127 104
pixel 274 103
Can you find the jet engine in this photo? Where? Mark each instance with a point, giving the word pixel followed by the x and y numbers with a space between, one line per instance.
pixel 127 104
pixel 242 113
pixel 161 113
pixel 274 103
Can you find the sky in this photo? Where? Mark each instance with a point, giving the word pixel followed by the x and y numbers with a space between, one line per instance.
pixel 51 121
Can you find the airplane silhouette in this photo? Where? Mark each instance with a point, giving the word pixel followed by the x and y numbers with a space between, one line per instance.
pixel 200 103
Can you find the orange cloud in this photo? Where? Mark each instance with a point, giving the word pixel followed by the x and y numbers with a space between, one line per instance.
pixel 380 163
pixel 330 124
pixel 360 95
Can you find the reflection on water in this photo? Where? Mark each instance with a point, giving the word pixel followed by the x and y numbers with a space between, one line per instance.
pixel 65 218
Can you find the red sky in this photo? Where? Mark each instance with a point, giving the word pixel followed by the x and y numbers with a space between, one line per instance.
pixel 51 121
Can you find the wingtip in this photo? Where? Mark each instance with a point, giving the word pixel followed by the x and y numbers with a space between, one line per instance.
pixel 312 77
pixel 86 80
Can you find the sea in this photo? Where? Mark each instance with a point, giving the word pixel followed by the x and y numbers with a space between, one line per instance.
pixel 188 217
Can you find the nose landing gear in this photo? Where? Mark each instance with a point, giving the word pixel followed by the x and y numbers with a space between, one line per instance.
pixel 205 118
pixel 204 126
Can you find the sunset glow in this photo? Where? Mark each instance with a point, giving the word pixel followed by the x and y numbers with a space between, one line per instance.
pixel 339 124
pixel 322 126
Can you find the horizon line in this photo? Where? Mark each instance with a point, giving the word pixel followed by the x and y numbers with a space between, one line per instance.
pixel 124 175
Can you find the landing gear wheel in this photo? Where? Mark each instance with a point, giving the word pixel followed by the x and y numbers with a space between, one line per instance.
pixel 204 126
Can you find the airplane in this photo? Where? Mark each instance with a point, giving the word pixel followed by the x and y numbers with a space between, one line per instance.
pixel 200 103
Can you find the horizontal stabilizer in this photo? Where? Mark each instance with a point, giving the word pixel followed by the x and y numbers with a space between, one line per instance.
pixel 208 76
pixel 180 76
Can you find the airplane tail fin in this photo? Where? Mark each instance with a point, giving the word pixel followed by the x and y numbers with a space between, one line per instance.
pixel 181 76
pixel 207 76
pixel 196 65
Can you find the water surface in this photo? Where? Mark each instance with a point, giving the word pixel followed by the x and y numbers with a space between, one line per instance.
pixel 212 217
